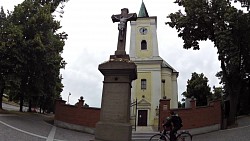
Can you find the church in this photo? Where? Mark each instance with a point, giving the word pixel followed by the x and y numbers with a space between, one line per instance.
pixel 156 79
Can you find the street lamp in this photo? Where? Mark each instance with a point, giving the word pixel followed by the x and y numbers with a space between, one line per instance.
pixel 68 97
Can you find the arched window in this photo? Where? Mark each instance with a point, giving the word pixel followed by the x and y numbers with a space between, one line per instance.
pixel 143 45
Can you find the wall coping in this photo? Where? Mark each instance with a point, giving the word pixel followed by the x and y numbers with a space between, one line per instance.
pixel 76 127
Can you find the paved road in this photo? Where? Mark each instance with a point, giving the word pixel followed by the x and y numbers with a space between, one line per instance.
pixel 13 108
pixel 240 133
pixel 237 134
pixel 32 127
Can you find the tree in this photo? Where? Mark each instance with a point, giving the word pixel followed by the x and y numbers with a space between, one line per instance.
pixel 198 88
pixel 3 20
pixel 217 93
pixel 39 50
pixel 181 104
pixel 228 28
pixel 10 37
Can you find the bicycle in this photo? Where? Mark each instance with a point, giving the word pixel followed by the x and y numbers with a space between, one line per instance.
pixel 181 136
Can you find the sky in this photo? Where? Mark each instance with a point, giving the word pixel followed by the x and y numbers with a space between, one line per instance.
pixel 93 38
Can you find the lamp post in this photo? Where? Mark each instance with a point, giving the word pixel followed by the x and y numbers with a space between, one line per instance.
pixel 68 97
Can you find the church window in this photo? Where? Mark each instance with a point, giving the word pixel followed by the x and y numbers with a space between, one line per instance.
pixel 143 84
pixel 143 45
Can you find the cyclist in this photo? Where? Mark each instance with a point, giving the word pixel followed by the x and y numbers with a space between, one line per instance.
pixel 174 123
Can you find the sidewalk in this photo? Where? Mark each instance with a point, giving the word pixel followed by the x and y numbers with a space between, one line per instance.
pixel 243 121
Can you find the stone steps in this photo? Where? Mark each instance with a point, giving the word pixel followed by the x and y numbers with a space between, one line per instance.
pixel 142 136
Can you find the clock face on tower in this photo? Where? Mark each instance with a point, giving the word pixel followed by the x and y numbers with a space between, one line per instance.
pixel 143 30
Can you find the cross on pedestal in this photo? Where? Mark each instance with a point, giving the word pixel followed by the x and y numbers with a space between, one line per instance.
pixel 123 18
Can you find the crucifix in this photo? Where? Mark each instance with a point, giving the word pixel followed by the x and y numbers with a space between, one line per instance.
pixel 123 18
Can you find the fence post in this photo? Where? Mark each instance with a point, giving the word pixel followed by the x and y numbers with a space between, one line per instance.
pixel 164 109
pixel 193 103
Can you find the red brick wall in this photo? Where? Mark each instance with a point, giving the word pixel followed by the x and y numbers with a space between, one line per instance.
pixel 78 115
pixel 193 117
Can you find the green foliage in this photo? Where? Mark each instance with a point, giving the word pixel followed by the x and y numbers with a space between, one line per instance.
pixel 32 48
pixel 228 28
pixel 244 3
pixel 217 93
pixel 181 105
pixel 198 88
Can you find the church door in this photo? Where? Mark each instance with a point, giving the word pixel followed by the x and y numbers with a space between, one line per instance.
pixel 142 117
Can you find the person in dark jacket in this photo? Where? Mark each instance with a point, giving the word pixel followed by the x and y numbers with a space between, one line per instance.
pixel 174 122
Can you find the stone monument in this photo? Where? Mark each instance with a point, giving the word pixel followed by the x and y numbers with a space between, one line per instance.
pixel 119 72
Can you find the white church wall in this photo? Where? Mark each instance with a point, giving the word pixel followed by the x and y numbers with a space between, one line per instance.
pixel 156 93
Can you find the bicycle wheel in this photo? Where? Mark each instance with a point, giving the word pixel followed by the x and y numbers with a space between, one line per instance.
pixel 184 137
pixel 158 137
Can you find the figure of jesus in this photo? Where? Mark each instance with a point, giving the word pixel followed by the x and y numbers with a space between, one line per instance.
pixel 123 18
pixel 122 27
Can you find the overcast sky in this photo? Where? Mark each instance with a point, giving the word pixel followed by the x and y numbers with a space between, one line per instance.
pixel 93 37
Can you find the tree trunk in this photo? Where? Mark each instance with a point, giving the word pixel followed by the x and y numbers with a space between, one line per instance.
pixel 30 105
pixel 233 90
pixel 233 109
pixel 21 102
pixel 23 89
pixel 1 97
pixel 2 86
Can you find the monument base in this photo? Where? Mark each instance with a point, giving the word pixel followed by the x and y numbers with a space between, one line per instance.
pixel 114 124
pixel 124 57
pixel 113 131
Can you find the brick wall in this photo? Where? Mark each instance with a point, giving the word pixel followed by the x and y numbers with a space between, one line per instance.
pixel 193 117
pixel 78 115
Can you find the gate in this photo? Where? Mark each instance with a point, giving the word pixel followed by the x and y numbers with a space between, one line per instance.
pixel 133 114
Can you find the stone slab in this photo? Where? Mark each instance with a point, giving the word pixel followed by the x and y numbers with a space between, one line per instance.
pixel 108 131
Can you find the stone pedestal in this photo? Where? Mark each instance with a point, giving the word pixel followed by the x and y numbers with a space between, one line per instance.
pixel 114 124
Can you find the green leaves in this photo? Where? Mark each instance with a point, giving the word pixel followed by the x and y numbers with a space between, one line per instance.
pixel 32 47
pixel 195 24
pixel 198 88
pixel 229 29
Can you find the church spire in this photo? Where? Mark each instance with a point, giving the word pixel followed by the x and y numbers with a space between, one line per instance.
pixel 143 11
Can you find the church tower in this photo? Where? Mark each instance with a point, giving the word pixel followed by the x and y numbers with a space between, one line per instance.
pixel 156 79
